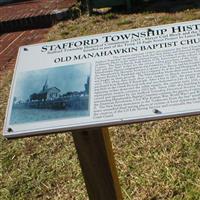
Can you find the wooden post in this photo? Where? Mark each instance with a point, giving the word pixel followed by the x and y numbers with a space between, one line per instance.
pixel 89 7
pixel 97 162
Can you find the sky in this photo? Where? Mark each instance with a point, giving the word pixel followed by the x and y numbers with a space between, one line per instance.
pixel 66 78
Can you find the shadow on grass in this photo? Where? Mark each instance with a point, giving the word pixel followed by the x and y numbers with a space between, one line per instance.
pixel 140 6
pixel 166 5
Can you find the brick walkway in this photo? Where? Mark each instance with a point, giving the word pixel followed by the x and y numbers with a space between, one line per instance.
pixel 33 8
pixel 10 42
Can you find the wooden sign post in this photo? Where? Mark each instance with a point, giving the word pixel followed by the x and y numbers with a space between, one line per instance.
pixel 97 162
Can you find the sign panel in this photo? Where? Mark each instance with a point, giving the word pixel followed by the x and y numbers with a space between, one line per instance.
pixel 106 79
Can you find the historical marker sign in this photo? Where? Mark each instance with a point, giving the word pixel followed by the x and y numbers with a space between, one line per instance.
pixel 106 79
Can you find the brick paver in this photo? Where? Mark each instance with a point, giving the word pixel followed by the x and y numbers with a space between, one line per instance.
pixel 10 42
pixel 32 8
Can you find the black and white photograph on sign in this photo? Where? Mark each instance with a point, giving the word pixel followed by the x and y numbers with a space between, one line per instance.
pixel 51 94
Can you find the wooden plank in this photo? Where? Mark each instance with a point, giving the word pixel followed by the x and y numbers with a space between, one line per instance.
pixel 97 162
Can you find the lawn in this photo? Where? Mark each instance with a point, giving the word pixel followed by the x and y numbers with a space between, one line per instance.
pixel 155 160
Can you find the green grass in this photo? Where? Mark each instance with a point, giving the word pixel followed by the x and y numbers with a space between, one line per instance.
pixel 155 160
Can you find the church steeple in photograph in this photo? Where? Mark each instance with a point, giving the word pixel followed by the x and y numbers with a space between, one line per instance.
pixel 45 86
